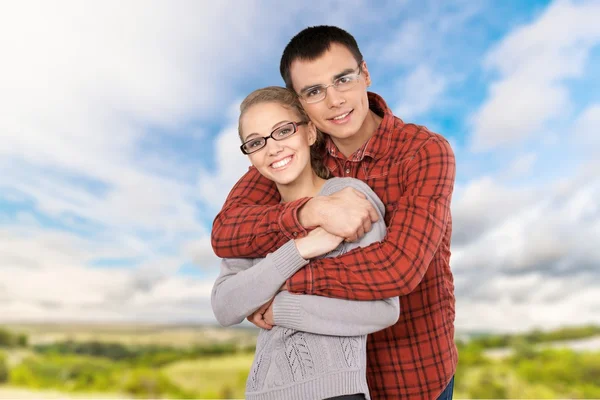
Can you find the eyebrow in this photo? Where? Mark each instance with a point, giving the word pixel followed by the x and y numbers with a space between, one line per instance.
pixel 285 121
pixel 335 77
pixel 250 135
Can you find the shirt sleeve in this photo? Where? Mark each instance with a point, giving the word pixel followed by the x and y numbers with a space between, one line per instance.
pixel 242 286
pixel 253 222
pixel 416 228
pixel 337 317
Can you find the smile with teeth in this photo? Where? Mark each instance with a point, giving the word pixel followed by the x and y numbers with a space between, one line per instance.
pixel 342 116
pixel 281 163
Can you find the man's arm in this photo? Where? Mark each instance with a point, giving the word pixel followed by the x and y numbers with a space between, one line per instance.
pixel 254 223
pixel 395 266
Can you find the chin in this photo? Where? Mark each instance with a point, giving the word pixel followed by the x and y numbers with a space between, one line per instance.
pixel 283 180
pixel 343 134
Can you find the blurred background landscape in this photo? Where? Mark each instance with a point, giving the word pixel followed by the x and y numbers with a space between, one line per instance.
pixel 118 145
pixel 206 362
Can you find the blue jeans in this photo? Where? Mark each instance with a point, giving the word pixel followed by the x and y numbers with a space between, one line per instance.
pixel 447 393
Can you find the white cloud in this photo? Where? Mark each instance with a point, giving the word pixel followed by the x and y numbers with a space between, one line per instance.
pixel 521 165
pixel 586 129
pixel 231 164
pixel 419 91
pixel 533 62
pixel 504 314
pixel 201 253
pixel 520 256
pixel 46 276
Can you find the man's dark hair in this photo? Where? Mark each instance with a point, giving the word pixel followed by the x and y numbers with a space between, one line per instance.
pixel 311 43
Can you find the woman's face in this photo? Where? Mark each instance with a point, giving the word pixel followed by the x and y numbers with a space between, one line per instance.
pixel 281 161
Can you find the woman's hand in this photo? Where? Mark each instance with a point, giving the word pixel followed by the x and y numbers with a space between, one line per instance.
pixel 317 243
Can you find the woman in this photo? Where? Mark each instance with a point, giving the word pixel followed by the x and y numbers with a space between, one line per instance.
pixel 317 346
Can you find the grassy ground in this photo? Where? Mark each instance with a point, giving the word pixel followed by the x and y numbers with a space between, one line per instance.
pixel 222 377
pixel 8 392
pixel 183 336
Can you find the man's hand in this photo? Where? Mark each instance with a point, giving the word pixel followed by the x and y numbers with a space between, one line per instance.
pixel 347 214
pixel 258 316
pixel 317 243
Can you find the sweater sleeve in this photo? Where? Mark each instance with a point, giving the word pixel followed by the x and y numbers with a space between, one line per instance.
pixel 337 317
pixel 340 317
pixel 242 286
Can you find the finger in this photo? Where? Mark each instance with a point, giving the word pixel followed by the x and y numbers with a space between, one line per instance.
pixel 359 193
pixel 360 232
pixel 258 320
pixel 252 320
pixel 261 310
pixel 372 213
pixel 367 225
pixel 352 238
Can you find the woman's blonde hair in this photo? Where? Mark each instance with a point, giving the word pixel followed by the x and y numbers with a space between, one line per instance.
pixel 288 99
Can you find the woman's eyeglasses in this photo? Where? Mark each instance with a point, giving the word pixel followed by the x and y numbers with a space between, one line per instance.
pixel 280 133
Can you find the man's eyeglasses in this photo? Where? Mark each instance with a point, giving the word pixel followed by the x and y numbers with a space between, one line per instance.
pixel 317 93
pixel 283 132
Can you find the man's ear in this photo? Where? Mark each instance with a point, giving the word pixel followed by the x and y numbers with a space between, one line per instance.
pixel 365 72
pixel 312 133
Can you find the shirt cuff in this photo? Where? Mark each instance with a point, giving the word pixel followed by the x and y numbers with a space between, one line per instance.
pixel 301 281
pixel 288 221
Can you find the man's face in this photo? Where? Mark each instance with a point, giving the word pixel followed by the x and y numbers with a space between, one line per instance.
pixel 340 114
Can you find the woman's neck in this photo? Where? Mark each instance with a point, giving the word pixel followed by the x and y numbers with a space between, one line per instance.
pixel 307 185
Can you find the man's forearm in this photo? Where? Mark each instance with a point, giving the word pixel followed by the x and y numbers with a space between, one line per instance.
pixel 253 222
pixel 308 215
pixel 418 227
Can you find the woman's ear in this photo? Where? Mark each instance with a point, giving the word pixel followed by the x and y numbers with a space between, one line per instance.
pixel 312 133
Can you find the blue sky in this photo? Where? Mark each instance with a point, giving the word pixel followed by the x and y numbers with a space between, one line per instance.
pixel 118 146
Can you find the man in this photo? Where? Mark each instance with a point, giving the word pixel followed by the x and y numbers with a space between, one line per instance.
pixel 411 169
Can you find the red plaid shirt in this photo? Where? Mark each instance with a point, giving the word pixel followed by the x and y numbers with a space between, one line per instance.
pixel 412 170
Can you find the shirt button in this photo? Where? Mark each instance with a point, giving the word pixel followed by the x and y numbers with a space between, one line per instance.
pixel 347 170
pixel 295 233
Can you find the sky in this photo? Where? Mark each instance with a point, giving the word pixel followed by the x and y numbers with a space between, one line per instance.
pixel 118 146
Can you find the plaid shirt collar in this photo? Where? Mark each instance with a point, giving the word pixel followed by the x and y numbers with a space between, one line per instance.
pixel 379 144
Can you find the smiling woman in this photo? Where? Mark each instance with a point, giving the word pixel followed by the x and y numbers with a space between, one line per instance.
pixel 318 351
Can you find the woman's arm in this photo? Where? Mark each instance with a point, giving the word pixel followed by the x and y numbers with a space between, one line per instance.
pixel 337 317
pixel 243 287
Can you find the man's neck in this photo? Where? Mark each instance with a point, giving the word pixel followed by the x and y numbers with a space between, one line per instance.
pixel 348 146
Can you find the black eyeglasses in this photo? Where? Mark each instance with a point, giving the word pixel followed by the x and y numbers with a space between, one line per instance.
pixel 283 132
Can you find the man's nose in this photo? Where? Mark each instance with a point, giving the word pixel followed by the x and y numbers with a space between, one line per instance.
pixel 334 98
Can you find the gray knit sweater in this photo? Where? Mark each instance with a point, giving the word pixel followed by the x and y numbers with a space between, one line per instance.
pixel 318 347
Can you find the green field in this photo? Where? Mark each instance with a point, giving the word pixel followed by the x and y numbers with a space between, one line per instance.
pixel 131 361
pixel 220 377
pixel 130 334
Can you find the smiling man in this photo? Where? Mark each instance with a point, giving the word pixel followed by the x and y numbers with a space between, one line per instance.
pixel 411 169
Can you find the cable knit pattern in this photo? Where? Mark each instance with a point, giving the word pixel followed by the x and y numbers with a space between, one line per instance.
pixel 317 348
